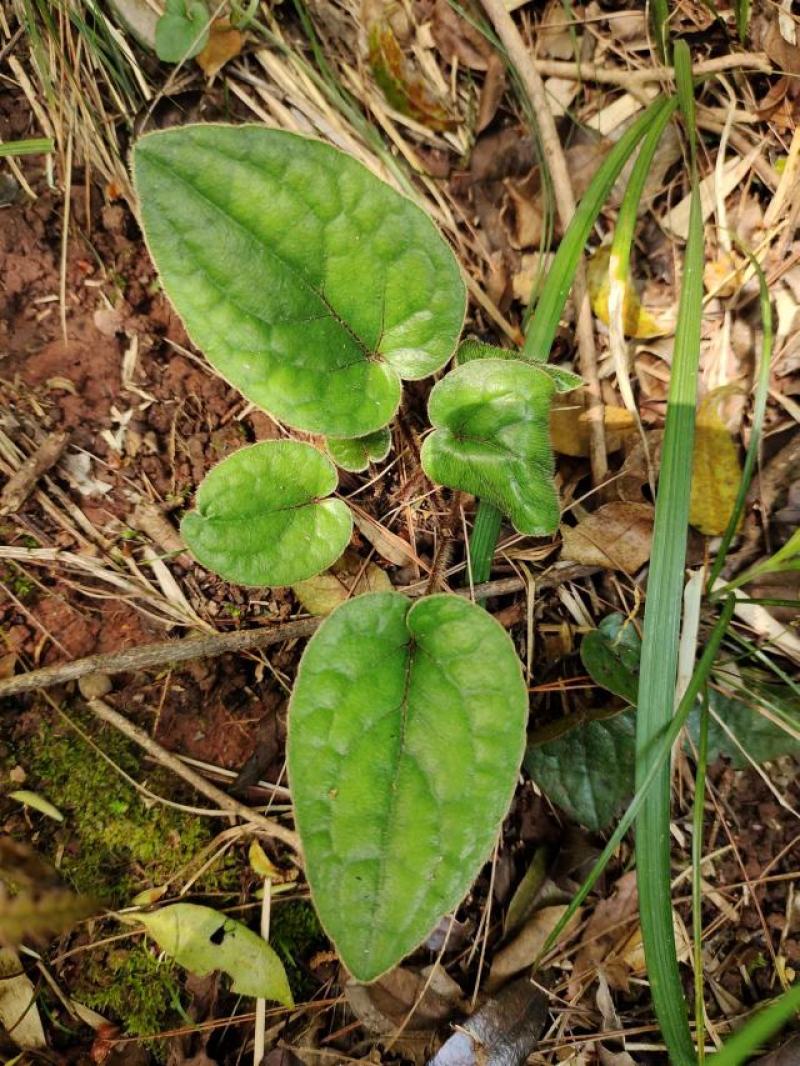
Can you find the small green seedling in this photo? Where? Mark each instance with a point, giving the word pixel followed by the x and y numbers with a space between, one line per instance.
pixel 315 289
pixel 182 31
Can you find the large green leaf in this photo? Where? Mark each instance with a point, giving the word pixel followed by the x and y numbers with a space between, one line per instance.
pixel 202 940
pixel 589 769
pixel 471 348
pixel 406 731
pixel 492 438
pixel 262 517
pixel 311 285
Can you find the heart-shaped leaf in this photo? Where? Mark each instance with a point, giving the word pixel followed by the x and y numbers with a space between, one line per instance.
pixel 182 31
pixel 202 940
pixel 406 730
pixel 356 453
pixel 262 517
pixel 492 439
pixel 311 285
pixel 588 770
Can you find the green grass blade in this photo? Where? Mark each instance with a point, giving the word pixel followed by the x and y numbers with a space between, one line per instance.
pixel 697 880
pixel 544 321
pixel 662 750
pixel 757 424
pixel 659 18
pixel 742 10
pixel 660 645
pixel 33 146
pixel 758 1030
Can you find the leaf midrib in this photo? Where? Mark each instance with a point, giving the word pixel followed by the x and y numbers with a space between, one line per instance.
pixel 370 356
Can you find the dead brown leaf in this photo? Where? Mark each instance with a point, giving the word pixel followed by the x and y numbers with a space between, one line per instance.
pixel 527 944
pixel 617 537
pixel 224 43
pixel 384 1005
pixel 602 946
pixel 494 85
pixel 570 428
pixel 457 40
pixel 349 576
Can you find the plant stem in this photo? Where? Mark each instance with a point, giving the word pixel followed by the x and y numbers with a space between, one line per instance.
pixel 482 542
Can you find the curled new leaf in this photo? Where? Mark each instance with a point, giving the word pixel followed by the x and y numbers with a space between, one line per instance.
pixel 406 731
pixel 491 438
pixel 262 517
pixel 310 285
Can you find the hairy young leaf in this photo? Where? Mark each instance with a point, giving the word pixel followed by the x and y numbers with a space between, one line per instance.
pixel 589 769
pixel 356 453
pixel 310 285
pixel 201 940
pixel 611 653
pixel 563 379
pixel 491 438
pixel 262 517
pixel 406 731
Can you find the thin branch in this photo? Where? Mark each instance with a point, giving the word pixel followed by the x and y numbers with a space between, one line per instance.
pixel 632 79
pixel 147 656
pixel 106 713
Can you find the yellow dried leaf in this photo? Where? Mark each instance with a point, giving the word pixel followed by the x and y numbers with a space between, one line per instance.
pixel 638 322
pixel 224 43
pixel 348 577
pixel 570 428
pixel 716 470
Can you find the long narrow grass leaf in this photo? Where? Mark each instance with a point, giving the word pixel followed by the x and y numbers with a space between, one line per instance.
pixel 757 423
pixel 544 321
pixel 660 650
pixel 33 146
pixel 698 822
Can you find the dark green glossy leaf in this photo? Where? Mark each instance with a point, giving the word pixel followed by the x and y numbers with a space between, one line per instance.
pixel 492 438
pixel 589 769
pixel 406 731
pixel 610 654
pixel 310 285
pixel 262 517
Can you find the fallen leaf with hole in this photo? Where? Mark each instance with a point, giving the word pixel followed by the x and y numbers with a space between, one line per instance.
pixel 349 576
pixel 716 470
pixel 224 43
pixel 617 537
pixel 201 940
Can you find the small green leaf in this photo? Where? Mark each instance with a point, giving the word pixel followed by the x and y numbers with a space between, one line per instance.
pixel 310 285
pixel 38 803
pixel 356 453
pixel 610 654
pixel 182 31
pixel 202 940
pixel 589 769
pixel 262 517
pixel 406 731
pixel 563 379
pixel 492 439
